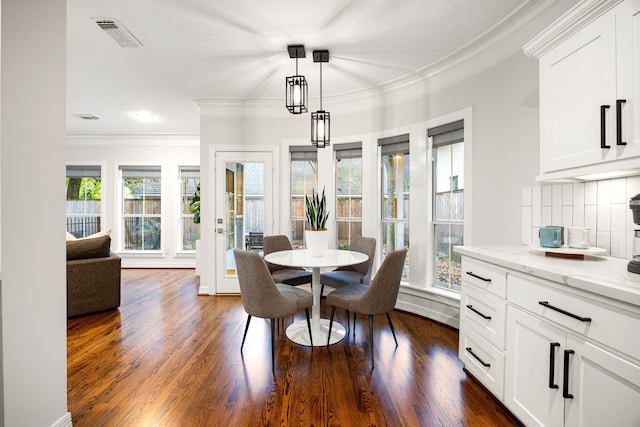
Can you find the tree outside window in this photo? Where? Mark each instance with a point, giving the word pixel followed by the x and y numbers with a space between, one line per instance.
pixel 83 201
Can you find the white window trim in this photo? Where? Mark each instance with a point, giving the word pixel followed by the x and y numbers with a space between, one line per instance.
pixel 118 227
pixel 104 187
pixel 465 114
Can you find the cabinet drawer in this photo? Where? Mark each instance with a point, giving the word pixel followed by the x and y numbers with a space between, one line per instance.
pixel 485 276
pixel 484 313
pixel 482 360
pixel 609 324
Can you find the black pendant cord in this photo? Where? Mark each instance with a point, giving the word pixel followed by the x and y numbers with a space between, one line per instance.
pixel 321 86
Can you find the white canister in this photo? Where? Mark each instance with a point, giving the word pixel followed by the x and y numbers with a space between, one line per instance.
pixel 578 237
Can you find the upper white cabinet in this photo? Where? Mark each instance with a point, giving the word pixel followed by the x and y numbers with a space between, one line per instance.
pixel 589 89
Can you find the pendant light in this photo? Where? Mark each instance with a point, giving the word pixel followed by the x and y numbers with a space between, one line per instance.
pixel 296 86
pixel 320 120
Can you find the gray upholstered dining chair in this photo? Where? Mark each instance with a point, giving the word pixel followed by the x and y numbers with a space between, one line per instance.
pixel 358 273
pixel 378 298
pixel 281 274
pixel 262 297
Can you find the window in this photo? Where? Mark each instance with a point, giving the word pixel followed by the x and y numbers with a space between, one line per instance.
pixel 395 196
pixel 448 193
pixel 84 196
pixel 304 179
pixel 190 231
pixel 348 192
pixel 141 207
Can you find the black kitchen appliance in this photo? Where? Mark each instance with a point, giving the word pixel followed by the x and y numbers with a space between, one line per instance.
pixel 634 264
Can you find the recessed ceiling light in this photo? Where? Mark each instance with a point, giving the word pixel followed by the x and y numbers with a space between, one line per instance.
pixel 143 116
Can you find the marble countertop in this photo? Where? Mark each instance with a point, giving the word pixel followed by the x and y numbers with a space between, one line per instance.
pixel 601 275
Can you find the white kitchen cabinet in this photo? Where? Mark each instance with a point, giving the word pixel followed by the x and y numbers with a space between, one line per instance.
pixel 589 89
pixel 556 373
pixel 483 322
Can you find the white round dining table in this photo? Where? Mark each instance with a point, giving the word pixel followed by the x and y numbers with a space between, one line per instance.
pixel 298 331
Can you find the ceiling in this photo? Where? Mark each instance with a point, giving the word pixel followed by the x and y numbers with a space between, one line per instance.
pixel 236 49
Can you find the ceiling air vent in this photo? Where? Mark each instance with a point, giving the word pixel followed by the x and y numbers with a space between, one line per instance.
pixel 118 32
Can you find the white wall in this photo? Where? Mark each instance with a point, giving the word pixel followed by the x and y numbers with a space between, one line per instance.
pixel 504 102
pixel 168 152
pixel 33 73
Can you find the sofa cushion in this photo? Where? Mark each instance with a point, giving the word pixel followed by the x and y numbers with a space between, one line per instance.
pixel 94 247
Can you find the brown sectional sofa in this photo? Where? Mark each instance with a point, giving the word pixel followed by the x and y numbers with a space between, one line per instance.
pixel 93 276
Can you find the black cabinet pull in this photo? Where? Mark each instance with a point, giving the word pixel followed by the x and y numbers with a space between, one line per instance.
pixel 470 307
pixel 552 363
pixel 603 126
pixel 619 103
pixel 485 364
pixel 478 277
pixel 566 313
pixel 565 379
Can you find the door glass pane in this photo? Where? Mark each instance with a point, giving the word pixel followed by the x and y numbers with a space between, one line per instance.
pixel 244 209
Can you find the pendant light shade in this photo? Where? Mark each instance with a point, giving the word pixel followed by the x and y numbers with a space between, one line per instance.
pixel 320 120
pixel 296 86
pixel 320 128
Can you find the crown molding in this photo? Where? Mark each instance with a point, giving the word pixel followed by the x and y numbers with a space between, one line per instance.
pixel 581 15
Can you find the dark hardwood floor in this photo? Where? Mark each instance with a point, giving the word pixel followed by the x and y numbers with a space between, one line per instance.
pixel 169 357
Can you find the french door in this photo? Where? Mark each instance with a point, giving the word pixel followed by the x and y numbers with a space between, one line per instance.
pixel 243 206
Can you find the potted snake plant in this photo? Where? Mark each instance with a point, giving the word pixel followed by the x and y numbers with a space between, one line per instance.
pixel 316 234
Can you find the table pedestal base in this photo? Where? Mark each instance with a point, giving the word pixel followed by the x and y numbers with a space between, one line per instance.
pixel 299 333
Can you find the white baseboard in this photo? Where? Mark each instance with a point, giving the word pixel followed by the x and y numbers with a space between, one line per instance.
pixel 65 421
pixel 434 310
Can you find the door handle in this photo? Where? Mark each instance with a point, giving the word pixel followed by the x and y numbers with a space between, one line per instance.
pixel 484 316
pixel 565 312
pixel 478 277
pixel 565 379
pixel 475 356
pixel 220 230
pixel 552 363
pixel 619 103
pixel 603 126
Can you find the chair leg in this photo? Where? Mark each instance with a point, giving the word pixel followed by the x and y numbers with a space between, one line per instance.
pixel 392 330
pixel 273 346
pixel 371 339
pixel 354 324
pixel 246 328
pixel 306 312
pixel 333 311
pixel 348 321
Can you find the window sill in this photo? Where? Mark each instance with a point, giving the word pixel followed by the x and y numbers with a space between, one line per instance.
pixel 141 254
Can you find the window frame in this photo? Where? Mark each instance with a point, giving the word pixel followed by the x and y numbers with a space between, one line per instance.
pixel 182 216
pixel 304 153
pixel 103 188
pixel 464 116
pixel 344 152
pixel 150 166
pixel 399 144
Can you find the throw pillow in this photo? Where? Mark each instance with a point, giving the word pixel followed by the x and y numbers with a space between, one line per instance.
pixel 95 247
pixel 70 236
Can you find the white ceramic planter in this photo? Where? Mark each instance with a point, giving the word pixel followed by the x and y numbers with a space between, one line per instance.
pixel 317 242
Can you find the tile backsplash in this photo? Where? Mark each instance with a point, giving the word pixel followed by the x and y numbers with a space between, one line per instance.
pixel 600 206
